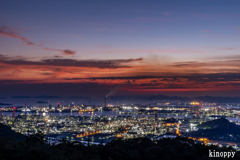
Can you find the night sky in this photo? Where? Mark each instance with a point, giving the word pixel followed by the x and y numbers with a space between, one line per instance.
pixel 132 47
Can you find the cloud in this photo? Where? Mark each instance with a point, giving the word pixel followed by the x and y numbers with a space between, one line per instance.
pixel 65 52
pixel 126 77
pixel 8 32
pixel 186 64
pixel 7 81
pixel 102 64
pixel 174 77
pixel 230 63
pixel 69 52
pixel 152 51
pixel 130 74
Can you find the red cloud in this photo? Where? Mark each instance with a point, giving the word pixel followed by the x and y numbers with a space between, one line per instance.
pixel 68 52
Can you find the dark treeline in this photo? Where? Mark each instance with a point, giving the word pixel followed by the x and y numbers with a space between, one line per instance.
pixel 35 148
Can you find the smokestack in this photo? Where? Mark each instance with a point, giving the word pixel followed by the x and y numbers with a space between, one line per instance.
pixel 14 111
pixel 25 109
pixel 105 102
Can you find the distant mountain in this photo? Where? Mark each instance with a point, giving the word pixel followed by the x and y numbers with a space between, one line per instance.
pixel 47 97
pixel 209 99
pixel 21 97
pixel 4 104
pixel 81 97
pixel 43 96
pixel 42 102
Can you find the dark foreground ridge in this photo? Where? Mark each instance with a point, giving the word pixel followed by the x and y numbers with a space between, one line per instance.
pixel 35 147
pixel 7 132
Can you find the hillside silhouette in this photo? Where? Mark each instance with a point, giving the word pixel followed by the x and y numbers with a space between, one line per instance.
pixel 35 147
